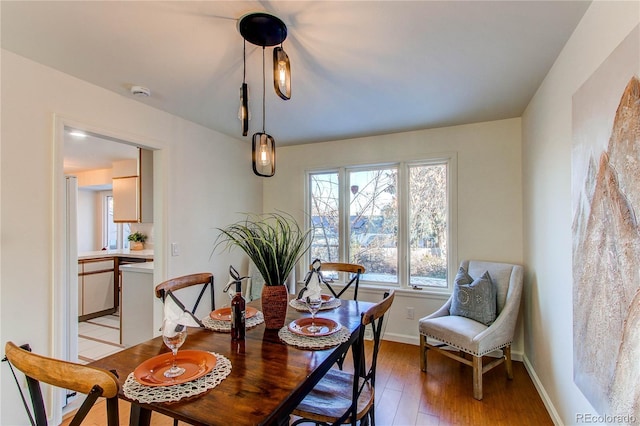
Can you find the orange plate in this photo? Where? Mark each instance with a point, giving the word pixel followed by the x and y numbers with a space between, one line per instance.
pixel 301 327
pixel 326 298
pixel 196 364
pixel 224 314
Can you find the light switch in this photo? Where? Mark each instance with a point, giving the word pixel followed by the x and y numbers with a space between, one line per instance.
pixel 175 249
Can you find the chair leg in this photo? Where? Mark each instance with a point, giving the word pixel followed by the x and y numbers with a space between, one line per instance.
pixel 477 377
pixel 507 360
pixel 423 353
pixel 113 417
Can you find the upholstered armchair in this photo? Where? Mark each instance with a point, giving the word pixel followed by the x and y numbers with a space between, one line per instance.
pixel 469 336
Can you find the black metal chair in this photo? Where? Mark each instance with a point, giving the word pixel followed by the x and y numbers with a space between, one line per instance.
pixel 342 397
pixel 94 382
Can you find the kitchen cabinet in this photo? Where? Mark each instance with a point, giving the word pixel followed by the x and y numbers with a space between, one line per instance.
pixel 133 189
pixel 138 297
pixel 97 288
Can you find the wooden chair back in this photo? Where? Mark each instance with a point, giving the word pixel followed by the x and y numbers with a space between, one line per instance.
pixel 205 279
pixel 94 382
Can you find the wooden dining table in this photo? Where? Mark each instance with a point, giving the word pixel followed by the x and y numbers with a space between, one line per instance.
pixel 268 377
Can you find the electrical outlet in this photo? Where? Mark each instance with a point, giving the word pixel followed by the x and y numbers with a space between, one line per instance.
pixel 410 313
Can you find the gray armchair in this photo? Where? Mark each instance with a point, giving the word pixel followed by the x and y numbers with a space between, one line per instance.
pixel 472 337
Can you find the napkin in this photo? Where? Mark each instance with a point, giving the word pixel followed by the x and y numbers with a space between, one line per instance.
pixel 312 289
pixel 175 312
pixel 234 277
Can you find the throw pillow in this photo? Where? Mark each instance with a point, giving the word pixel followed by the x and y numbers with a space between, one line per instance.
pixel 475 300
pixel 462 277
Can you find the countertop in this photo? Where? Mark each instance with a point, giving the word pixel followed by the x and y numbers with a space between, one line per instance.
pixel 146 267
pixel 140 254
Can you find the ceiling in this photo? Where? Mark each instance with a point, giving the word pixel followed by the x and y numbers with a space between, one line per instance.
pixel 359 68
pixel 93 152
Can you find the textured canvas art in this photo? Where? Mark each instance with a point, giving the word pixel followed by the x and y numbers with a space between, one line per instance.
pixel 606 234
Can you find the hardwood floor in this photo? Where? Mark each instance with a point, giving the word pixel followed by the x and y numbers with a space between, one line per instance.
pixel 443 395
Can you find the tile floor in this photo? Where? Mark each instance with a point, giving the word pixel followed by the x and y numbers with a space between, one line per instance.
pixel 98 338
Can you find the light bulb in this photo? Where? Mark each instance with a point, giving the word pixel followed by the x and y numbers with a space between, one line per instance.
pixel 282 73
pixel 264 153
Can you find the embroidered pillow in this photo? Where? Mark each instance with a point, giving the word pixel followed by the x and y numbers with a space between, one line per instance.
pixel 474 299
pixel 462 277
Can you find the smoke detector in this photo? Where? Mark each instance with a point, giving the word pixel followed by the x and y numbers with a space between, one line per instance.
pixel 141 92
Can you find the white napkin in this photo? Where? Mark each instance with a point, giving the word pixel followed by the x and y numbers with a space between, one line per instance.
pixel 312 288
pixel 175 313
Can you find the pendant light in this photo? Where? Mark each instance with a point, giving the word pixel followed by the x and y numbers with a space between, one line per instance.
pixel 263 146
pixel 263 29
pixel 244 93
pixel 281 73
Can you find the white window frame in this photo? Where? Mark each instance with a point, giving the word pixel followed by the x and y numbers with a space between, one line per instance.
pixel 450 160
pixel 121 241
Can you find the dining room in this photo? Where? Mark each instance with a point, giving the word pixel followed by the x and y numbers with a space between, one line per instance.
pixel 508 190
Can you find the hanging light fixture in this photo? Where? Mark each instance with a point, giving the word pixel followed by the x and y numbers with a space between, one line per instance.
pixel 263 29
pixel 263 146
pixel 244 93
pixel 281 73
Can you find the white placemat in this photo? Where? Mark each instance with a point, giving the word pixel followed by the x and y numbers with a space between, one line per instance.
pixel 148 394
pixel 318 342
pixel 300 306
pixel 225 326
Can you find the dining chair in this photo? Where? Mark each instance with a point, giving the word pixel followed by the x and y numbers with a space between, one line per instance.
pixel 205 279
pixel 342 397
pixel 91 381
pixel 353 271
pixel 461 323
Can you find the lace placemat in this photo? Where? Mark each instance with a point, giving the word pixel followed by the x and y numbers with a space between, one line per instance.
pixel 300 306
pixel 308 342
pixel 225 326
pixel 149 394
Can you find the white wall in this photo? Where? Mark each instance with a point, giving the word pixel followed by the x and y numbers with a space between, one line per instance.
pixel 193 195
pixel 547 139
pixel 489 195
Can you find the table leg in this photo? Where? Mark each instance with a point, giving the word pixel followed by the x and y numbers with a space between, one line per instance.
pixel 139 416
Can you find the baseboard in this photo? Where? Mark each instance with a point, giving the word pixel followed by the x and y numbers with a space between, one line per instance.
pixel 415 340
pixel 402 338
pixel 555 417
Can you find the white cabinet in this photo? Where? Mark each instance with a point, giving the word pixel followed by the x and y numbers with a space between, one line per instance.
pixel 138 295
pixel 133 189
pixel 126 196
pixel 97 291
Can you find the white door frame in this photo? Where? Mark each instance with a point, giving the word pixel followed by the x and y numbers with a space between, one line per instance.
pixel 61 294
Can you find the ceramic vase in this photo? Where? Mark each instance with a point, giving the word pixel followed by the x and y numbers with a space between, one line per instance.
pixel 275 300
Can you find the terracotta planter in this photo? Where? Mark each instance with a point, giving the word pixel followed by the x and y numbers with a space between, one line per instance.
pixel 275 300
pixel 136 245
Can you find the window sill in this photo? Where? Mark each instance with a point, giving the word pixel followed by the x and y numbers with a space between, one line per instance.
pixel 378 290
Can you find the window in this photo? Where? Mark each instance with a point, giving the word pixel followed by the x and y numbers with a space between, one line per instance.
pixel 115 234
pixel 395 220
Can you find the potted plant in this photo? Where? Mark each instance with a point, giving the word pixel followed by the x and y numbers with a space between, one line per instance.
pixel 137 240
pixel 275 243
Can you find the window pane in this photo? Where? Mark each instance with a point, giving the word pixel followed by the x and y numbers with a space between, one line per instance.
pixel 126 230
pixel 112 230
pixel 373 220
pixel 325 216
pixel 428 225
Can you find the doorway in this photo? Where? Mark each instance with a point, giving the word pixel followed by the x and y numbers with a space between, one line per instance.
pixel 64 320
pixel 76 154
